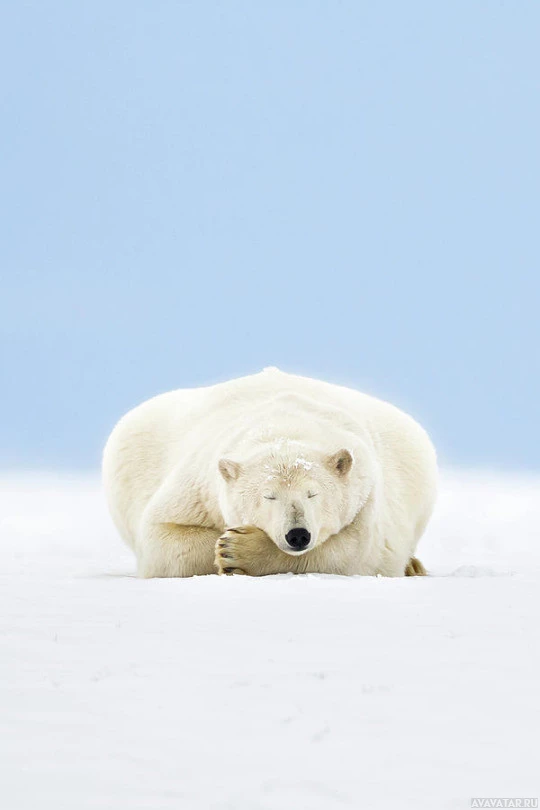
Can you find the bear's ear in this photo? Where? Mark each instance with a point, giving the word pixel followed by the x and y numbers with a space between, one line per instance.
pixel 230 470
pixel 340 463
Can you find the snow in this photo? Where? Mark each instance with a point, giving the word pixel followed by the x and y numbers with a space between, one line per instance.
pixel 303 462
pixel 297 693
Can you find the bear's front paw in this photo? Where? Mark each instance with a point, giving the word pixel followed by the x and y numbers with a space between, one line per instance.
pixel 237 550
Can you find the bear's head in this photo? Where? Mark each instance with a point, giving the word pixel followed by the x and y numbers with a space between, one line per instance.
pixel 298 495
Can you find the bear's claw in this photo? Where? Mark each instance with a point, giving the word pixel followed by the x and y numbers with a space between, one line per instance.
pixel 414 568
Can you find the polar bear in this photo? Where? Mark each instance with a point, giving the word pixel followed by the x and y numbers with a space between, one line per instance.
pixel 268 474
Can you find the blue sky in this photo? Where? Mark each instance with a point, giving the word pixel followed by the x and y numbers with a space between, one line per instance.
pixel 194 190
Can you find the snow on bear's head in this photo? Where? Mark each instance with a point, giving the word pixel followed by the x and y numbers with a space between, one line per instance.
pixel 298 496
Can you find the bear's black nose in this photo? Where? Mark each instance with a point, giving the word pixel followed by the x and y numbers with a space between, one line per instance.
pixel 298 538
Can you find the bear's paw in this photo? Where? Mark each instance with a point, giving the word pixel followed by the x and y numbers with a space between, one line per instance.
pixel 414 568
pixel 238 550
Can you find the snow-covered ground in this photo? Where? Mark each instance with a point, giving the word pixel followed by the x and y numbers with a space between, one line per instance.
pixel 301 693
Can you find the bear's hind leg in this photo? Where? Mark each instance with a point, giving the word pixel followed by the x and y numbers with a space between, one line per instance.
pixel 414 568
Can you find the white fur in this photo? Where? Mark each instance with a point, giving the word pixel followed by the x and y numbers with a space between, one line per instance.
pixel 183 466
